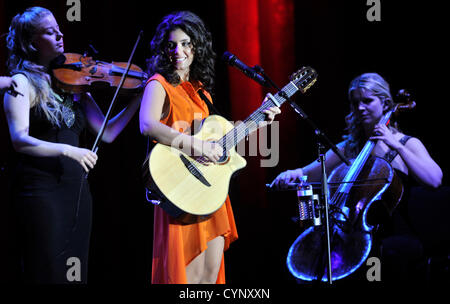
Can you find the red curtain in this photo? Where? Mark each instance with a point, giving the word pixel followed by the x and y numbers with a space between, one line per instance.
pixel 259 32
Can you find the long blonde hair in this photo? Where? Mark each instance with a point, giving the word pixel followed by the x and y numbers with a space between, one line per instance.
pixel 380 88
pixel 22 58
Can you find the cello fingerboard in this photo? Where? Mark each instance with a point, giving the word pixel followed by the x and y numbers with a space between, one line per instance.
pixel 359 162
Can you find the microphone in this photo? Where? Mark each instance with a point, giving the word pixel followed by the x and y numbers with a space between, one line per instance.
pixel 248 71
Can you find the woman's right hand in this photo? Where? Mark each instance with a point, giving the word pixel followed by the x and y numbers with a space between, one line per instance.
pixel 284 178
pixel 86 158
pixel 207 149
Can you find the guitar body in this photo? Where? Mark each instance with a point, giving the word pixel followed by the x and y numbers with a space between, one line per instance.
pixel 191 191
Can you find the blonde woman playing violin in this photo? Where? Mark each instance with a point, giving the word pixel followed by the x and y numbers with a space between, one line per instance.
pixel 54 209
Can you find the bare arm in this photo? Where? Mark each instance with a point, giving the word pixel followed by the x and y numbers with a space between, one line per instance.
pixel 420 163
pixel 116 124
pixel 151 112
pixel 17 111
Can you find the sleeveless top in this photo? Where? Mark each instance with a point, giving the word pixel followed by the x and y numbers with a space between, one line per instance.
pixel 176 245
pixel 399 221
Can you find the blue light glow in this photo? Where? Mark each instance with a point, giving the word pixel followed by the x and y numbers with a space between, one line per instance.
pixel 336 260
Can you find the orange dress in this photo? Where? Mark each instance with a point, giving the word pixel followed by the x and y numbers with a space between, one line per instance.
pixel 175 245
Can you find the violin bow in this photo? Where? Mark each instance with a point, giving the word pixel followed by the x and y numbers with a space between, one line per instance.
pixel 108 114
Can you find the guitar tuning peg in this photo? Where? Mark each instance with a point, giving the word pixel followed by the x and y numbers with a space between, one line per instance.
pixel 295 75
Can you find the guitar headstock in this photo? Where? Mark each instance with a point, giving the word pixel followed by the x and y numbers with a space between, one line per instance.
pixel 304 78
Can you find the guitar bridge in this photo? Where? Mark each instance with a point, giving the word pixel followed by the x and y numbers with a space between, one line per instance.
pixel 194 170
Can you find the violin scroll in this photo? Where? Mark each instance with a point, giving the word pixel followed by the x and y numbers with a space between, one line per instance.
pixel 406 101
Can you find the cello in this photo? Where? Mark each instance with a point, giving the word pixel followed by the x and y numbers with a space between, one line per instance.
pixel 369 179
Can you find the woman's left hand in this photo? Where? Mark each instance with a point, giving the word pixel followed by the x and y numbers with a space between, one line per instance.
pixel 383 133
pixel 271 113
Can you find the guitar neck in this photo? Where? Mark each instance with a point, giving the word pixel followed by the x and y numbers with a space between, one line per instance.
pixel 238 133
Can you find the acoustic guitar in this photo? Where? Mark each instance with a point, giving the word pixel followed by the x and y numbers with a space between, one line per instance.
pixel 191 190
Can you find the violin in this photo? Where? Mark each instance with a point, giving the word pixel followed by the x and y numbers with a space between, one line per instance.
pixel 369 179
pixel 75 73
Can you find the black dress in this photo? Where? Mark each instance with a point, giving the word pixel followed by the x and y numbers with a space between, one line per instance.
pixel 395 243
pixel 53 204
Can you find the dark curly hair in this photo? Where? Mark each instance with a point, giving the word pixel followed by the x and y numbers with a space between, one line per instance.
pixel 202 68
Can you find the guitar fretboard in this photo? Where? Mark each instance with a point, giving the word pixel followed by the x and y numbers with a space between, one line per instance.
pixel 239 132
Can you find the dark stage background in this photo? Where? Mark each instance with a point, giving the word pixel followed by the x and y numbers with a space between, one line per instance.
pixel 406 47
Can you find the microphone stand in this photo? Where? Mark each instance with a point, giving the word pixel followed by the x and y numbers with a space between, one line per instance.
pixel 322 141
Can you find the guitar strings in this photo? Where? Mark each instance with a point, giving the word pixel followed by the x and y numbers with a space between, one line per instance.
pixel 233 137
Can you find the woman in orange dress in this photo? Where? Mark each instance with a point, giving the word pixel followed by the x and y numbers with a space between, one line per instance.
pixel 182 65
